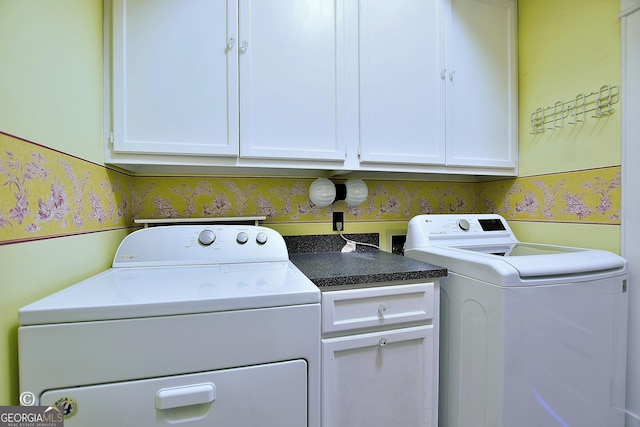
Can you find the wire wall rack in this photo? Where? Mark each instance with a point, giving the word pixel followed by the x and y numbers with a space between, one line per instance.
pixel 575 111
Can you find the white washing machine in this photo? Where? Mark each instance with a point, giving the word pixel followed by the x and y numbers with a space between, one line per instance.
pixel 193 325
pixel 531 335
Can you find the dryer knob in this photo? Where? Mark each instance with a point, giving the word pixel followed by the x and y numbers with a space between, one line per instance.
pixel 261 238
pixel 463 224
pixel 206 237
pixel 242 238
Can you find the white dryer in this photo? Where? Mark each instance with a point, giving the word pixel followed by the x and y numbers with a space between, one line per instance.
pixel 531 335
pixel 193 325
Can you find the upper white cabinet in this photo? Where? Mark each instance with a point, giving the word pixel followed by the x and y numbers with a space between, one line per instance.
pixel 256 79
pixel 174 77
pixel 438 84
pixel 292 79
pixel 402 117
pixel 351 85
pixel 481 83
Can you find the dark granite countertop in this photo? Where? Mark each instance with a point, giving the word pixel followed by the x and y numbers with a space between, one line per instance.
pixel 367 266
pixel 357 268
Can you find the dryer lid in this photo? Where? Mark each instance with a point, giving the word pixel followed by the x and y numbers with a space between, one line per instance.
pixel 125 293
pixel 186 269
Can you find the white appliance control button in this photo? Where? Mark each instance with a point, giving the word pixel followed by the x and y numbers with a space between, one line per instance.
pixel 206 237
pixel 261 238
pixel 242 238
pixel 463 224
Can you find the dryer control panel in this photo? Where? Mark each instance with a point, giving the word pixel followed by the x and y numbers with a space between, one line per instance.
pixel 200 245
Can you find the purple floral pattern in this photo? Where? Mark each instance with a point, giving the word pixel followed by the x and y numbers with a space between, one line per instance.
pixel 47 193
pixel 287 199
pixel 19 175
pixel 591 196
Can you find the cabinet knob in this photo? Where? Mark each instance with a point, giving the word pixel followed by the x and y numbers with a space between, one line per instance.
pixel 382 342
pixel 443 73
pixel 452 75
pixel 382 309
pixel 244 46
pixel 231 43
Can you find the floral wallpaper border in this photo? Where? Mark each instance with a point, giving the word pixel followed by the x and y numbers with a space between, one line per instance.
pixel 287 199
pixel 589 196
pixel 46 193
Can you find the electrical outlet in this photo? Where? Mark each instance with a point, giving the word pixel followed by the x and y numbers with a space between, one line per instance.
pixel 338 221
pixel 397 244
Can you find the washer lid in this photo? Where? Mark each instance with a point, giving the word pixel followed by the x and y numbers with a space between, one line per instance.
pixel 123 293
pixel 537 260
pixel 521 264
pixel 483 246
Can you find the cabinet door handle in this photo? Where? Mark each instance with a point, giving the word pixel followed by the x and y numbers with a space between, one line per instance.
pixel 443 73
pixel 231 43
pixel 382 309
pixel 244 46
pixel 382 342
pixel 452 75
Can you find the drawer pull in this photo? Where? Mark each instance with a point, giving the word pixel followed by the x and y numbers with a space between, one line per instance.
pixel 382 342
pixel 382 309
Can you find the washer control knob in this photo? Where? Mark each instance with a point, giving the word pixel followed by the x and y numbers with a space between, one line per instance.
pixel 242 238
pixel 464 224
pixel 261 238
pixel 206 237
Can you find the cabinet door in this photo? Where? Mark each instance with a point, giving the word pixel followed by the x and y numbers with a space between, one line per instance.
pixel 401 93
pixel 174 77
pixel 292 79
pixel 379 379
pixel 481 83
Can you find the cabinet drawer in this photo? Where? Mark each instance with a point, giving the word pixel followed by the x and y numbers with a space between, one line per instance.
pixel 376 307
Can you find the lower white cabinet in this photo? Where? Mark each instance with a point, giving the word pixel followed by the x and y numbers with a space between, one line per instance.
pixel 378 379
pixel 381 369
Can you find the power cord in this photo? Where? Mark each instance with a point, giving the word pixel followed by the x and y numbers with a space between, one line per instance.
pixel 353 242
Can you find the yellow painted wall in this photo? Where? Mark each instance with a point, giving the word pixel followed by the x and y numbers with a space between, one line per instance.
pixel 51 79
pixel 566 48
pixel 50 93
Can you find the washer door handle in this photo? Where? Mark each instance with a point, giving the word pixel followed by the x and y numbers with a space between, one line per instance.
pixel 175 397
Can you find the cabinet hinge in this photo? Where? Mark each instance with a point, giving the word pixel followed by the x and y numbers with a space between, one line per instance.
pixel 111 139
pixel 359 152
